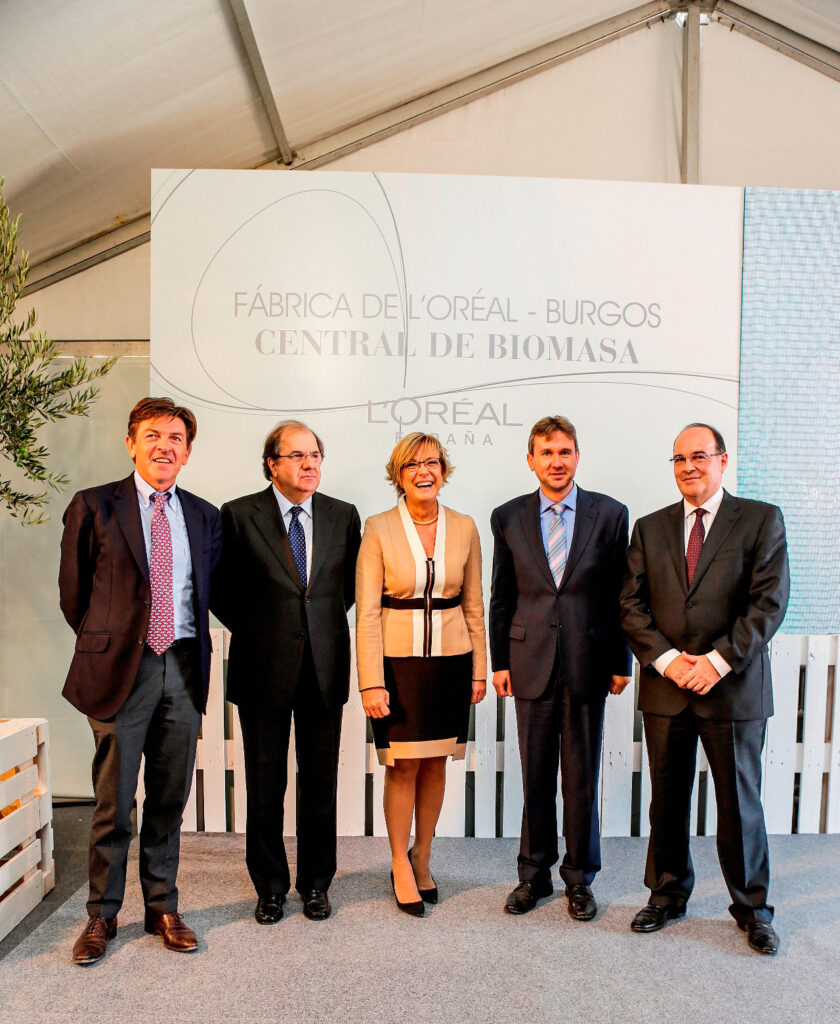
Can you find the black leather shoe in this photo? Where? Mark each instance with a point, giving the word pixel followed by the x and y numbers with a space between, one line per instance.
pixel 316 904
pixel 651 917
pixel 93 942
pixel 417 908
pixel 426 895
pixel 761 937
pixel 524 897
pixel 582 905
pixel 269 908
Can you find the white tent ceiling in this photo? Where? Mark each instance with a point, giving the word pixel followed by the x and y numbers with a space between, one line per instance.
pixel 93 93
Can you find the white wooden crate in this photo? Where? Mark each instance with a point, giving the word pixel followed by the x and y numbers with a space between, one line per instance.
pixel 27 871
pixel 803 743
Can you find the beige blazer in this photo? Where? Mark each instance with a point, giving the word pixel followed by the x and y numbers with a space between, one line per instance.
pixel 392 561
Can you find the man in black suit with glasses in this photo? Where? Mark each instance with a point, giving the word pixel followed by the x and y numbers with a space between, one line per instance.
pixel 286 581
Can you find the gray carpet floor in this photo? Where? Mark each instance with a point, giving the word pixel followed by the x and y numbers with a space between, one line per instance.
pixel 465 961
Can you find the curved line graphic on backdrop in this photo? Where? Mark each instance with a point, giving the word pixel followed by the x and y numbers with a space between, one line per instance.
pixel 171 194
pixel 276 202
pixel 561 378
pixel 404 296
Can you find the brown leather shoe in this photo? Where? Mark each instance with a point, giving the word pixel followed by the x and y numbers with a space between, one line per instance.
pixel 92 943
pixel 171 928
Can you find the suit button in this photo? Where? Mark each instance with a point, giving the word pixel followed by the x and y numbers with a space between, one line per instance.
pixel 140 640
pixel 689 604
pixel 147 604
pixel 553 625
pixel 306 600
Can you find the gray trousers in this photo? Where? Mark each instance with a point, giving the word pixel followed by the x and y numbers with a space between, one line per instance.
pixel 160 720
pixel 733 749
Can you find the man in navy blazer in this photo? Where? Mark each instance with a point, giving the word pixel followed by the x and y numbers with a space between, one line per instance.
pixel 557 647
pixel 137 558
pixel 707 587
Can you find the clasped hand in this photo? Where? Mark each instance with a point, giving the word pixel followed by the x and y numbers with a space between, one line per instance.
pixel 693 672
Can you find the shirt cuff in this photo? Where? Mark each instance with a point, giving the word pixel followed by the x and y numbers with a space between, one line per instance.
pixel 664 660
pixel 719 663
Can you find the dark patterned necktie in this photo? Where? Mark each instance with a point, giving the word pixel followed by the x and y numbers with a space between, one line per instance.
pixel 695 543
pixel 161 633
pixel 298 542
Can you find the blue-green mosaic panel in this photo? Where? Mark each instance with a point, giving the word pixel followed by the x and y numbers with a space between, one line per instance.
pixel 789 414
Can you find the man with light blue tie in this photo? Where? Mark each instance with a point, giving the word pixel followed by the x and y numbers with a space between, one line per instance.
pixel 557 648
pixel 286 580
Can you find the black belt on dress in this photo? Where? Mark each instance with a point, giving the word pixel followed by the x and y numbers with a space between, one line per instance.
pixel 419 603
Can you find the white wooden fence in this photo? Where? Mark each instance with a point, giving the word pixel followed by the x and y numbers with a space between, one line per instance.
pixel 801 784
pixel 27 872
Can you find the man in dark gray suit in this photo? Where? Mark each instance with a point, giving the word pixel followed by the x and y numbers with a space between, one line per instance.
pixel 286 581
pixel 706 588
pixel 557 648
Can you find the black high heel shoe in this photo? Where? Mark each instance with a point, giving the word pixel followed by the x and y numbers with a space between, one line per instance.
pixel 426 895
pixel 415 909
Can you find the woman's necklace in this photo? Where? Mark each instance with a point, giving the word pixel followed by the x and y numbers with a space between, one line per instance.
pixel 426 522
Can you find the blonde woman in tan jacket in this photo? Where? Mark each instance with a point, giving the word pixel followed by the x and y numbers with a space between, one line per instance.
pixel 420 651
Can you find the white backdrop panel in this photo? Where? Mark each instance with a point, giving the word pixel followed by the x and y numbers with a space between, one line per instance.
pixel 372 305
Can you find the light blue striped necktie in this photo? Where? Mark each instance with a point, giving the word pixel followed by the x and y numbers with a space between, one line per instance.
pixel 557 544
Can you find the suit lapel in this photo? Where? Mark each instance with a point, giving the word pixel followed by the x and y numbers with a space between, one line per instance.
pixel 323 525
pixel 270 524
pixel 195 530
pixel 529 520
pixel 127 512
pixel 585 516
pixel 675 541
pixel 727 516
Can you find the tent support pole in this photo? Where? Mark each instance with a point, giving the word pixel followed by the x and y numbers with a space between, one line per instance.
pixel 785 41
pixel 690 143
pixel 255 63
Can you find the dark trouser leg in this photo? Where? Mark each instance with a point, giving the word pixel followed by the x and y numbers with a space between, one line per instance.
pixel 116 764
pixel 538 726
pixel 120 743
pixel 672 753
pixel 734 753
pixel 317 739
pixel 580 761
pixel 265 738
pixel 170 757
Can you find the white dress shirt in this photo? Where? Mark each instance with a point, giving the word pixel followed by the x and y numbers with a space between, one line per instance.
pixel 305 520
pixel 712 507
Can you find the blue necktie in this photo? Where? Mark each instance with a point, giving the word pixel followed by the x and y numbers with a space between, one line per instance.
pixel 557 544
pixel 298 542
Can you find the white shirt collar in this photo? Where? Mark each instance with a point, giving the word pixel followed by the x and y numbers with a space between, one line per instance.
pixel 711 506
pixel 145 489
pixel 285 504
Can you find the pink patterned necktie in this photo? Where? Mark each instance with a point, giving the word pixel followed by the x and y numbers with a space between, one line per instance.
pixel 161 634
pixel 695 543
